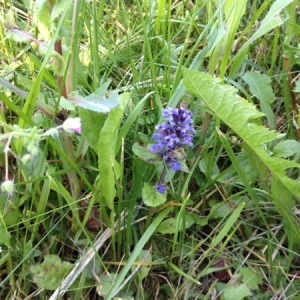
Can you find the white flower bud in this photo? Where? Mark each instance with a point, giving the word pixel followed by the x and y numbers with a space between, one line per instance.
pixel 8 187
pixel 72 125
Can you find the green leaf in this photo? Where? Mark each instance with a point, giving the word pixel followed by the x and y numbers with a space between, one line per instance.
pixel 92 123
pixel 219 210
pixel 137 250
pixel 9 20
pixel 43 10
pixel 4 236
pixel 151 196
pixel 285 204
pixel 133 116
pixel 228 225
pixel 99 104
pixel 106 281
pixel 238 292
pixel 260 87
pixel 208 165
pixel 239 115
pixel 9 212
pixel 287 148
pixel 143 262
pixel 234 10
pixel 106 149
pixel 146 155
pixel 49 274
pixel 18 36
pixel 58 8
pixel 297 86
pixel 58 64
pixel 251 278
pixel 66 104
pixel 271 21
pixel 174 225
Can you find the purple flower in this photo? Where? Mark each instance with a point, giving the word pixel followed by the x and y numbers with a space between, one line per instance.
pixel 173 135
pixel 161 188
pixel 175 165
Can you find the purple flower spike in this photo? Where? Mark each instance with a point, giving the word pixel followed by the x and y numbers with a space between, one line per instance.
pixel 173 135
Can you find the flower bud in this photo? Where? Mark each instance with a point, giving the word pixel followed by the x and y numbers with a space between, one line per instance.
pixel 161 188
pixel 72 125
pixel 8 187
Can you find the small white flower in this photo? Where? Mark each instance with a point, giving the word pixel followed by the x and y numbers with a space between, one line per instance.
pixel 8 187
pixel 72 125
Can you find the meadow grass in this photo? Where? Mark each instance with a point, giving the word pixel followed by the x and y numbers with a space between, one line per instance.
pixel 80 217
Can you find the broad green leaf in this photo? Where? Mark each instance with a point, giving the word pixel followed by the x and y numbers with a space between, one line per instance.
pixel 43 10
pixel 219 210
pixel 106 150
pixel 101 91
pixel 58 8
pixel 260 87
pixel 251 278
pixel 66 104
pixel 247 168
pixel 49 274
pixel 105 283
pixel 234 10
pixel 92 123
pixel 239 115
pixel 151 196
pixel 4 236
pixel 287 148
pixel 285 204
pixel 18 36
pixel 208 165
pixel 146 155
pixel 174 225
pixel 9 212
pixel 99 104
pixel 236 292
